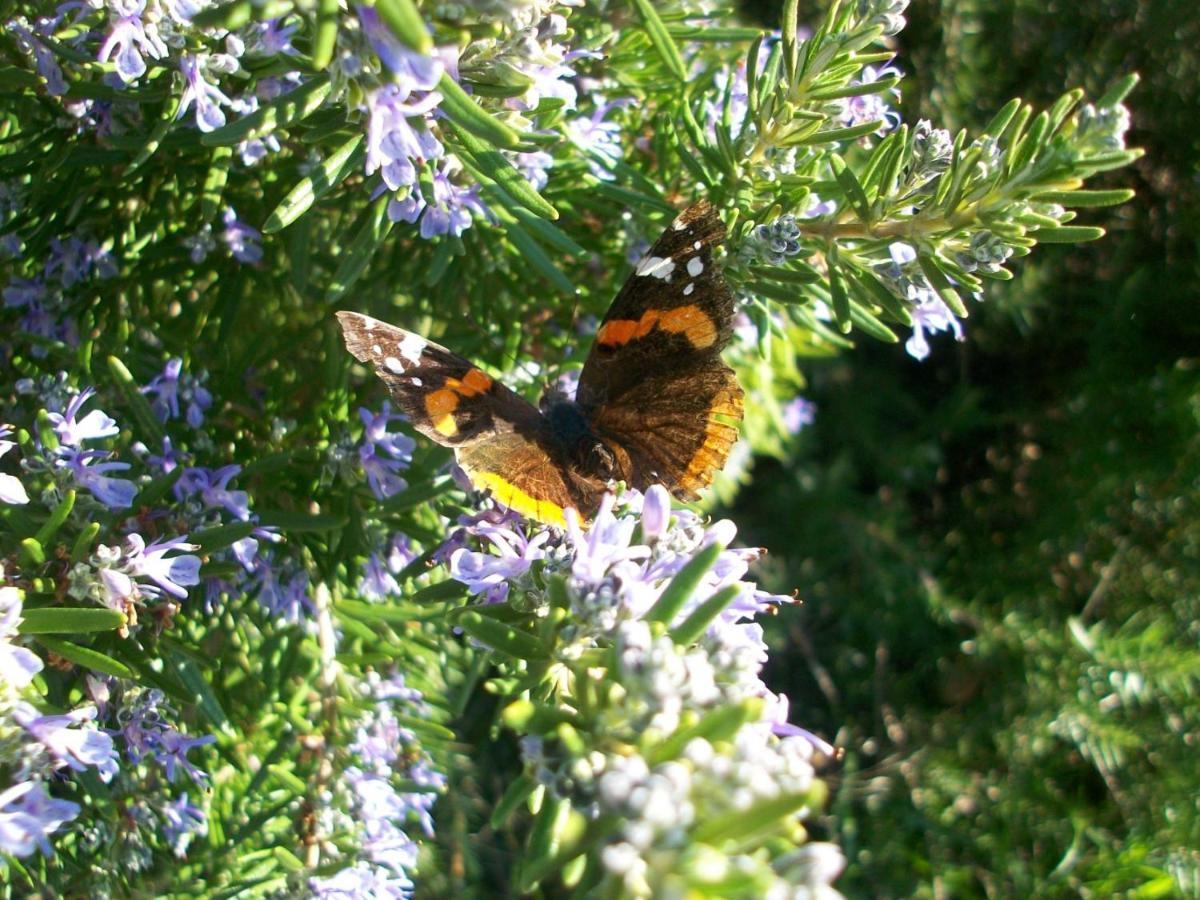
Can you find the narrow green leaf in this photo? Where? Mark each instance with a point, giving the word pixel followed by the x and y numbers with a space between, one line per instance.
pixel 83 543
pixel 838 135
pixel 228 17
pixel 549 233
pixel 1118 92
pixel 325 39
pixel 59 515
pixel 371 234
pixel 287 109
pixel 1067 234
pixel 297 522
pixel 863 320
pixel 443 590
pixel 287 859
pixel 533 253
pixel 878 291
pixel 788 32
pixel 1086 198
pixel 402 17
pixel 199 690
pixel 156 488
pixel 1001 120
pixel 661 39
pixel 149 426
pixel 335 168
pixel 32 552
pixel 730 826
pixel 941 284
pixel 69 620
pixel 86 657
pixel 684 584
pixel 462 110
pixel 838 295
pixel 627 197
pixel 690 629
pixel 373 612
pixel 854 90
pixel 212 193
pixel 849 183
pixel 512 641
pixel 719 724
pixel 496 167
pixel 219 537
pixel 154 141
pixel 515 794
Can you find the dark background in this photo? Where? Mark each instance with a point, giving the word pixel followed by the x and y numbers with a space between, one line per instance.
pixel 997 549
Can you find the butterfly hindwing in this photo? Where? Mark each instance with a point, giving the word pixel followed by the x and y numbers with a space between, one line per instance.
pixel 654 384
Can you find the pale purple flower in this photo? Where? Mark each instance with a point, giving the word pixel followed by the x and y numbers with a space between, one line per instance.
pixel 656 512
pixel 129 39
pixel 362 880
pixel 490 573
pixel 872 107
pixel 74 259
pixel 24 292
pixel 798 413
pixel 290 600
pixel 182 820
pixel 241 239
pixel 378 581
pixel 412 71
pixel 606 543
pixel 171 575
pixel 74 748
pixel 72 431
pixel 28 815
pixel 44 60
pixel 598 139
pixel 17 665
pixel 172 750
pixel 119 589
pixel 384 454
pixel 213 487
pixel 207 98
pixel 200 244
pixel 448 213
pixel 394 147
pixel 930 314
pixel 12 491
pixel 169 386
pixel 273 38
pixel 115 493
pixel 535 166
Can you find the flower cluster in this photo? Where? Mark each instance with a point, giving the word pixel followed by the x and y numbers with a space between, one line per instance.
pixel 377 814
pixel 683 739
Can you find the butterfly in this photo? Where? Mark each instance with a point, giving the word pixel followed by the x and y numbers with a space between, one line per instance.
pixel 655 403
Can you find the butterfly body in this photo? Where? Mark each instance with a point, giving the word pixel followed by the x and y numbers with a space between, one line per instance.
pixel 655 403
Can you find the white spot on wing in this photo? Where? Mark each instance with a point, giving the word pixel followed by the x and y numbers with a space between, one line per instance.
pixel 696 245
pixel 412 347
pixel 687 291
pixel 657 267
pixel 393 365
pixel 678 225
pixel 376 349
pixel 415 381
pixel 695 266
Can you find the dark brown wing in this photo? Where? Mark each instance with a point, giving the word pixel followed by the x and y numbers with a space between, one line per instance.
pixel 654 385
pixel 673 312
pixel 499 439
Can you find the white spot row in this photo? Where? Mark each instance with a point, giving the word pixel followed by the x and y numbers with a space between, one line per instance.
pixel 656 266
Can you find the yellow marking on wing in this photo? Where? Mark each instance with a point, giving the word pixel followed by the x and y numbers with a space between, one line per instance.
pixel 719 439
pixel 690 321
pixel 508 494
pixel 440 406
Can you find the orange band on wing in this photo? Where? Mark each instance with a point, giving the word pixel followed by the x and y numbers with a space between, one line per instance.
pixel 690 321
pixel 440 406
pixel 508 494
